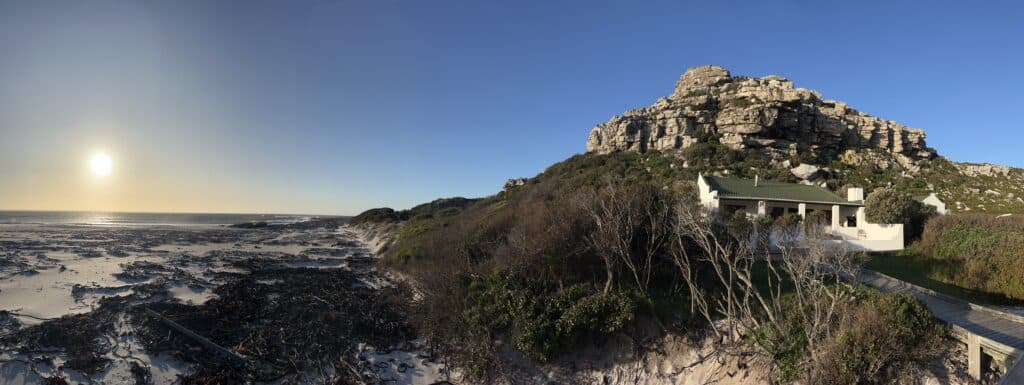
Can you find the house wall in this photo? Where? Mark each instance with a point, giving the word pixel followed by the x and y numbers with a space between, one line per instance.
pixel 708 198
pixel 872 236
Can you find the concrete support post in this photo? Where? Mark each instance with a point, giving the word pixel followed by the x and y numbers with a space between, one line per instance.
pixel 802 210
pixel 835 217
pixel 861 217
pixel 974 356
pixel 762 208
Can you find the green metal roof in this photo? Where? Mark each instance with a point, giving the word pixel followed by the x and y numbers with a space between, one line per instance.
pixel 739 188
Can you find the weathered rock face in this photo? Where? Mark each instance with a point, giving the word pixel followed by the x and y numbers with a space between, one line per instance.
pixel 766 114
pixel 983 169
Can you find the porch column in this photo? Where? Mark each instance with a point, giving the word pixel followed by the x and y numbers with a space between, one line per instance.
pixel 762 208
pixel 802 210
pixel 835 217
pixel 861 217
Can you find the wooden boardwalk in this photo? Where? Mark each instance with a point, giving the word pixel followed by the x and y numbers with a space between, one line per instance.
pixel 999 335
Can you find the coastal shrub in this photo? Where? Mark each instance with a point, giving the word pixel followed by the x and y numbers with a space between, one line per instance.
pixel 976 251
pixel 542 323
pixel 881 340
pixel 787 347
pixel 517 267
pixel 888 205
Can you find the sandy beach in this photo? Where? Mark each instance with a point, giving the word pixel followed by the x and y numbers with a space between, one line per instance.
pixel 76 303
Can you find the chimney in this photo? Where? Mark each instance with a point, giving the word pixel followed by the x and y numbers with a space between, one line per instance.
pixel 855 194
pixel 755 180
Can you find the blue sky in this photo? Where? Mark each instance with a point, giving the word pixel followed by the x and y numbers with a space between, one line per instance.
pixel 337 106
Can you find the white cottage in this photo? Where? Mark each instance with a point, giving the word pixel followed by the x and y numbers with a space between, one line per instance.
pixel 726 195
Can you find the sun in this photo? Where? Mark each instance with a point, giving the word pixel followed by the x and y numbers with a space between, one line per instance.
pixel 100 164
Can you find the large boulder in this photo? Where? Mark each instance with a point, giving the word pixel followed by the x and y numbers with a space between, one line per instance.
pixel 807 171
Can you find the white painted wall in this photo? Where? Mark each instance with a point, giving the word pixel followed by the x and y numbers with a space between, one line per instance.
pixel 708 198
pixel 872 236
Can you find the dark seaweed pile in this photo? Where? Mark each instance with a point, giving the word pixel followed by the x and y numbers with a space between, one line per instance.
pixel 284 321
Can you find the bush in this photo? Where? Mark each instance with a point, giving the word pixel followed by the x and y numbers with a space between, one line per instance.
pixel 977 251
pixel 881 340
pixel 887 205
pixel 378 215
pixel 540 323
pixel 518 266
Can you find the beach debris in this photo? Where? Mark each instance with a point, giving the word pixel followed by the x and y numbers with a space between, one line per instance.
pixel 233 357
pixel 286 321
pixel 297 310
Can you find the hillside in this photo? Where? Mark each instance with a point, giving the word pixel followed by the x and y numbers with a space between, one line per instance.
pixel 520 282
pixel 720 122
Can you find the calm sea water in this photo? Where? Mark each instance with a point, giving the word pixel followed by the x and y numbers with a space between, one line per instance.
pixel 141 219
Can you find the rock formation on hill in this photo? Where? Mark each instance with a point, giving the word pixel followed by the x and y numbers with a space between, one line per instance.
pixel 766 113
pixel 795 133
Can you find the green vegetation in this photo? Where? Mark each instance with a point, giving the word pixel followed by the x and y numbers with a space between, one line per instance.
pixel 743 102
pixel 878 334
pixel 566 260
pixel 439 208
pixel 977 251
pixel 519 266
pixel 877 339
pixel 541 323
pixel 975 257
pixel 932 273
pixel 887 205
pixel 976 193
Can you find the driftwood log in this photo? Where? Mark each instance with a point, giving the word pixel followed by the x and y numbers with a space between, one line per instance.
pixel 232 357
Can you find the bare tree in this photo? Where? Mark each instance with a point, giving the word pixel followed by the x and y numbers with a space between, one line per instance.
pixel 632 226
pixel 741 276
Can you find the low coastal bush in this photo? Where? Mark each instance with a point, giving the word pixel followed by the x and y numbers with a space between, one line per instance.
pixel 888 205
pixel 976 251
pixel 881 340
pixel 877 339
pixel 541 323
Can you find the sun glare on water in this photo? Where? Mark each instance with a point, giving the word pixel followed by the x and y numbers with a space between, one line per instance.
pixel 100 164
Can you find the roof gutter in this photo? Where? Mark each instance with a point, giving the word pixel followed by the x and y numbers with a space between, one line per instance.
pixel 738 197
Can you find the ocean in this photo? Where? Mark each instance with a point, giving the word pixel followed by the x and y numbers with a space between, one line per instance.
pixel 143 219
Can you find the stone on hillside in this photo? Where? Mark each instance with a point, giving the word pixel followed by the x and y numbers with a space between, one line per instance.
pixel 807 171
pixel 513 183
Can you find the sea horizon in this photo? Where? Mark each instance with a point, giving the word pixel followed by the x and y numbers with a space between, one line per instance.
pixel 112 218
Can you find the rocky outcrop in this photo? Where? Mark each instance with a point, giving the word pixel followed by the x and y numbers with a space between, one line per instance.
pixel 983 169
pixel 513 183
pixel 767 114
